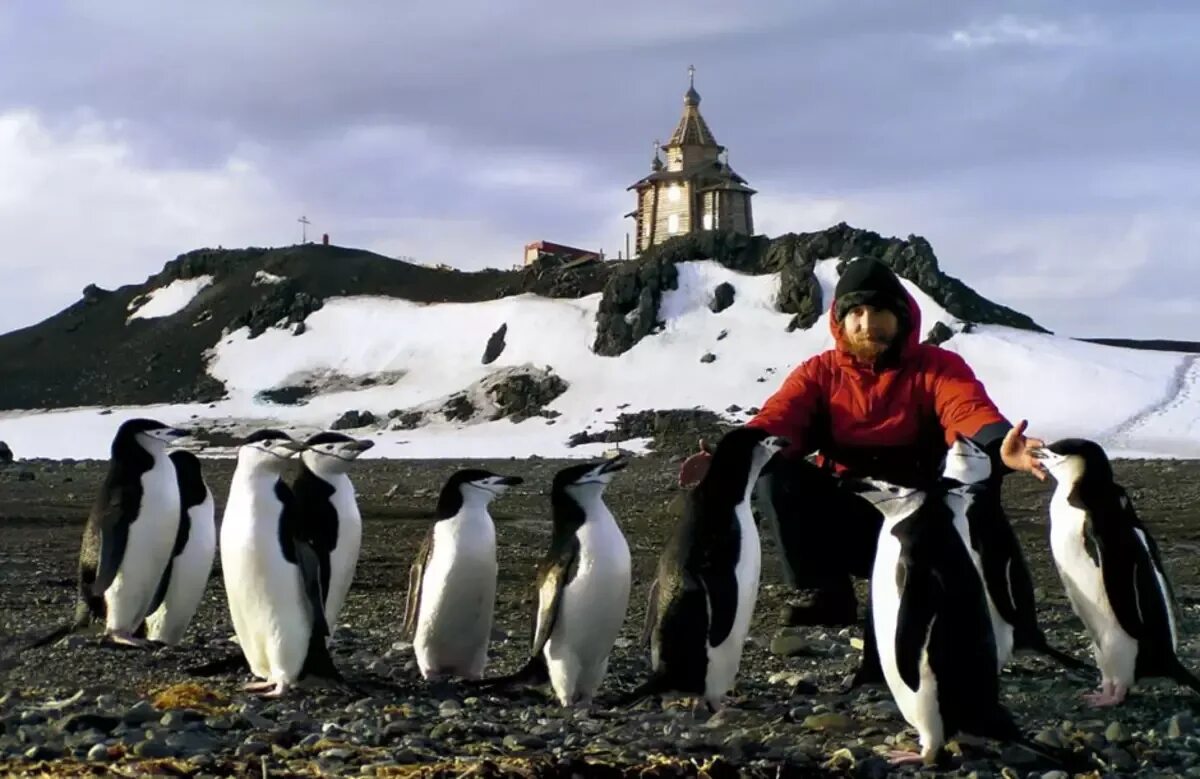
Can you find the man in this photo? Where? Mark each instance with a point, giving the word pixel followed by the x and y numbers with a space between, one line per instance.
pixel 880 404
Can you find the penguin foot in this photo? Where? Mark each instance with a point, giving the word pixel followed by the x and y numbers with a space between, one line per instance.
pixel 258 686
pixel 1105 698
pixel 279 691
pixel 124 639
pixel 903 757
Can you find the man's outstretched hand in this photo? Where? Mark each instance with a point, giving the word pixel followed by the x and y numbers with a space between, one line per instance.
pixel 694 467
pixel 1016 451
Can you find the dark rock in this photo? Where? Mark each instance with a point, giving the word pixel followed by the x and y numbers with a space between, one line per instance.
pixel 523 393
pixel 672 431
pixel 708 357
pixel 42 752
pixel 6 455
pixel 26 476
pixel 94 294
pixel 629 306
pixel 353 419
pixel 938 334
pixel 76 723
pixel 721 335
pixel 153 748
pixel 406 420
pixel 722 297
pixel 97 753
pixel 141 713
pixel 495 345
pixel 300 329
pixel 286 396
pixel 458 408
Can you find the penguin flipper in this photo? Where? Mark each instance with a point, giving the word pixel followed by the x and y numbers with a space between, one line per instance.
pixel 318 661
pixel 913 622
pixel 651 613
pixel 720 587
pixel 113 531
pixel 160 594
pixel 416 575
pixel 554 574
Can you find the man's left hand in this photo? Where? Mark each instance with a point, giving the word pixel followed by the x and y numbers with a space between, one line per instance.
pixel 1016 451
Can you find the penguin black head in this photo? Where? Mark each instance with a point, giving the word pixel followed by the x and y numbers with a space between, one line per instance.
pixel 1073 459
pixel 588 474
pixel 146 433
pixel 738 459
pixel 966 462
pixel 472 487
pixel 268 449
pixel 333 452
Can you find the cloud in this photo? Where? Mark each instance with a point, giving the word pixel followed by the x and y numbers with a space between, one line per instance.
pixel 1013 31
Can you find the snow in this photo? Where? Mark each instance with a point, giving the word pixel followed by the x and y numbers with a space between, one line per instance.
pixel 168 300
pixel 262 277
pixel 1136 403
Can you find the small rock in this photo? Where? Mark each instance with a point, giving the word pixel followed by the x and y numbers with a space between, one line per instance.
pixel 522 741
pixel 1120 759
pixel 98 753
pixel 41 752
pixel 830 721
pixel 252 748
pixel 1180 725
pixel 141 713
pixel 337 753
pixel 708 357
pixel 1056 775
pixel 1115 733
pixel 449 708
pixel 153 748
pixel 1049 737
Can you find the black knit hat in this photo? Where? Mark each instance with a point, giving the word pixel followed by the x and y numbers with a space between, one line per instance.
pixel 868 282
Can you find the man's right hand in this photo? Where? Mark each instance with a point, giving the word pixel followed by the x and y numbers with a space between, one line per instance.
pixel 695 466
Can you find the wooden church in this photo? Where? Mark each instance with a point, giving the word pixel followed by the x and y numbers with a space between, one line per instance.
pixel 694 188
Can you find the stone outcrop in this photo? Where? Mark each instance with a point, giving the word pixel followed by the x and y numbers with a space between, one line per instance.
pixel 629 307
pixel 495 345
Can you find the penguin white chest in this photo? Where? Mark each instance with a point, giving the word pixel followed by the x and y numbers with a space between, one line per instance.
pixel 149 543
pixel 725 658
pixel 267 605
pixel 1082 577
pixel 190 571
pixel 458 597
pixel 918 707
pixel 592 609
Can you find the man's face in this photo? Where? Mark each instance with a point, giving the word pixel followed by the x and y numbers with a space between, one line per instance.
pixel 869 331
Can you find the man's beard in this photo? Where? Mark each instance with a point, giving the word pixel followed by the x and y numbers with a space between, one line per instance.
pixel 866 349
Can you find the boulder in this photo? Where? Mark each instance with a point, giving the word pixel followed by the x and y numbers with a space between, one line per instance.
pixel 722 297
pixel 495 344
pixel 353 419
pixel 6 455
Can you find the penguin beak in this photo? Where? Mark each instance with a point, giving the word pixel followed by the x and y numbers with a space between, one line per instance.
pixel 358 447
pixel 615 464
pixel 510 481
pixel 291 447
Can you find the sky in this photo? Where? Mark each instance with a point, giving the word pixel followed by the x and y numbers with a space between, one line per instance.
pixel 1047 151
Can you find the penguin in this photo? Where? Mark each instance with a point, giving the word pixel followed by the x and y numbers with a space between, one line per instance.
pixel 1111 569
pixel 130 532
pixel 707 578
pixel 997 555
pixel 452 583
pixel 931 622
pixel 582 587
pixel 330 516
pixel 186 576
pixel 272 575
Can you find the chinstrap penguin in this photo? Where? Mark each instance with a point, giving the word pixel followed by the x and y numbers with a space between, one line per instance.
pixel 272 575
pixel 997 554
pixel 452 583
pixel 329 513
pixel 582 588
pixel 932 625
pixel 707 578
pixel 131 530
pixel 186 576
pixel 129 535
pixel 1112 572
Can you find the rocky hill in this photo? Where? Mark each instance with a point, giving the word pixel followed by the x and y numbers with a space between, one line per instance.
pixel 95 353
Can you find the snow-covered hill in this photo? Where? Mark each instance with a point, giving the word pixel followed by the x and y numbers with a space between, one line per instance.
pixel 392 356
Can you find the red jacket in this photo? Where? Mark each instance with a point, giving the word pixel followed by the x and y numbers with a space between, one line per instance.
pixel 892 423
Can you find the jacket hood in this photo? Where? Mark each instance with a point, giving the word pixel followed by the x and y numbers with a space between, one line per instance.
pixel 910 339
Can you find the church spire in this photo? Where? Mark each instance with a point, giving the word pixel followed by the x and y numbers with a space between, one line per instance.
pixel 692 130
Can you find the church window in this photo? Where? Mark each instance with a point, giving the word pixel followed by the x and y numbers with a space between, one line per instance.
pixel 673 193
pixel 708 221
pixel 673 224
